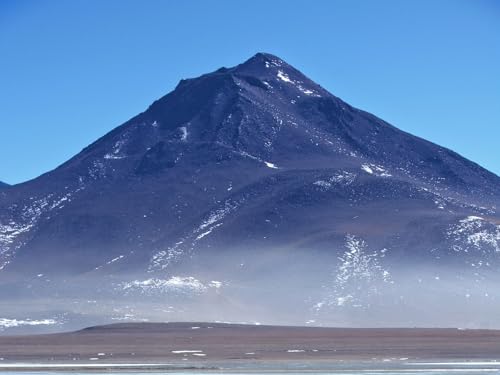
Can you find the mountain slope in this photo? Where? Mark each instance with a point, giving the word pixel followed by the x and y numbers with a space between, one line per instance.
pixel 242 177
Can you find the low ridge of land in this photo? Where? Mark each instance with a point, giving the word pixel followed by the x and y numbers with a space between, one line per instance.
pixel 202 344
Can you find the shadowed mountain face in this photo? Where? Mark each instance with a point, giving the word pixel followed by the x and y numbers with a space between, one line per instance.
pixel 253 194
pixel 3 185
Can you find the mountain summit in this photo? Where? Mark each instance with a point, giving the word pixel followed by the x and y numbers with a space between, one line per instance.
pixel 221 190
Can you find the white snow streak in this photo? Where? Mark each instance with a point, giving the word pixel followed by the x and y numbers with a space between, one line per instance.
pixel 9 323
pixel 177 284
pixel 376 170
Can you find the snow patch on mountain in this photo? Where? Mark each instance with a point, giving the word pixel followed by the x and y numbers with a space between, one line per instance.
pixel 376 170
pixel 115 259
pixel 358 276
pixel 266 163
pixel 10 323
pixel 217 215
pixel 8 234
pixel 30 214
pixel 184 133
pixel 285 78
pixel 474 233
pixel 273 62
pixel 267 84
pixel 270 165
pixel 341 178
pixel 163 258
pixel 207 232
pixel 175 284
pixel 97 170
pixel 116 151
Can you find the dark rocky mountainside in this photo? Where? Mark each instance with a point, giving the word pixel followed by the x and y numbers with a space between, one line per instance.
pixel 205 204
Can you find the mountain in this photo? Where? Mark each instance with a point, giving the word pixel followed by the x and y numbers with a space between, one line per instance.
pixel 253 194
pixel 3 185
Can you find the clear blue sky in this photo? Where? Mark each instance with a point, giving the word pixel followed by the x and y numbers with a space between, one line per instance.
pixel 72 70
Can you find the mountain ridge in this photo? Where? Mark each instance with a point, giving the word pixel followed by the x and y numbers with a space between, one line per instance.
pixel 250 64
